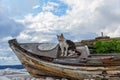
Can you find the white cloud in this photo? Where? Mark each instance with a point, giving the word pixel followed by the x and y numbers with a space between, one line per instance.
pixel 23 36
pixel 40 26
pixel 11 60
pixel 7 38
pixel 113 31
pixel 4 58
pixel 4 50
pixel 82 18
pixel 50 6
pixel 35 7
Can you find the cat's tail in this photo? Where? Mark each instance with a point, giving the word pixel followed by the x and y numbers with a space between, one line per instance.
pixel 78 53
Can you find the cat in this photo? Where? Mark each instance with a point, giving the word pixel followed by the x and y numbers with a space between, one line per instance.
pixel 66 46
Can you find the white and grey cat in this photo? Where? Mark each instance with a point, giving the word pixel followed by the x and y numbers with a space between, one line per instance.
pixel 66 46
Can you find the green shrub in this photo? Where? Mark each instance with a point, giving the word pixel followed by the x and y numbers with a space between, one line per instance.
pixel 111 46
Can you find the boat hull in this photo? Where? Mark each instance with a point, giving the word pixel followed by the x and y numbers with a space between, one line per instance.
pixel 38 67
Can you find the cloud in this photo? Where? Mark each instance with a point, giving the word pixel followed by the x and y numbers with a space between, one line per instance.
pixel 38 27
pixel 6 38
pixel 35 7
pixel 9 27
pixel 50 6
pixel 17 9
pixel 11 60
pixel 82 19
pixel 7 57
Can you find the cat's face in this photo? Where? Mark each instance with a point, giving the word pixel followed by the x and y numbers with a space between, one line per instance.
pixel 60 37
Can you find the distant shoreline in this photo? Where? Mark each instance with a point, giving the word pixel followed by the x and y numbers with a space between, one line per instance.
pixel 11 66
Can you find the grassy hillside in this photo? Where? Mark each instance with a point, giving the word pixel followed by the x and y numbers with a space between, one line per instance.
pixel 111 46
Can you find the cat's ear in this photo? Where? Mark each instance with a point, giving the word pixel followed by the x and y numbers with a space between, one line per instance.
pixel 62 35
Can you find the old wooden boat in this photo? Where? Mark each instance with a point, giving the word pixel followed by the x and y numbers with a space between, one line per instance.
pixel 47 62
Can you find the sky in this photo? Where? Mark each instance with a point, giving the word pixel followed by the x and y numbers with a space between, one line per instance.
pixel 41 20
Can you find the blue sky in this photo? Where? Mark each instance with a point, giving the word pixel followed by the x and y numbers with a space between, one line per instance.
pixel 42 20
